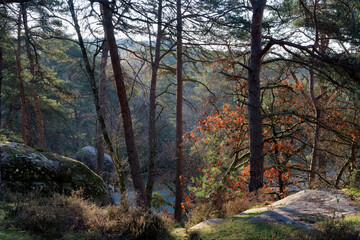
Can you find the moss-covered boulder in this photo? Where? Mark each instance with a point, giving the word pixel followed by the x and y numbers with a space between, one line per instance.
pixel 25 169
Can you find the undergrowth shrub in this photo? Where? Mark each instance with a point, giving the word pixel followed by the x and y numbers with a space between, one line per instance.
pixel 136 224
pixel 337 229
pixel 205 211
pixel 75 218
pixel 201 213
pixel 57 216
pixel 236 206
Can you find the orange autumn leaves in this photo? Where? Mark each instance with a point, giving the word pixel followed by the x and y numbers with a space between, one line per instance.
pixel 222 136
pixel 228 125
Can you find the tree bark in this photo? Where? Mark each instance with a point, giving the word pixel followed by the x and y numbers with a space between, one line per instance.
pixel 254 102
pixel 152 109
pixel 350 165
pixel 102 102
pixel 1 78
pixel 39 119
pixel 21 83
pixel 125 110
pixel 278 161
pixel 91 77
pixel 318 163
pixel 315 164
pixel 179 104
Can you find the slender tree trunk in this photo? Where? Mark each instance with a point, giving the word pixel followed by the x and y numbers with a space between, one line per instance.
pixel 1 78
pixel 152 109
pixel 278 162
pixel 91 78
pixel 321 43
pixel 125 110
pixel 350 164
pixel 102 102
pixel 355 165
pixel 39 119
pixel 316 144
pixel 100 151
pixel 179 104
pixel 324 43
pixel 21 83
pixel 254 102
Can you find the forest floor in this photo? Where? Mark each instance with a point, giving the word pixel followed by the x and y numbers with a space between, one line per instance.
pixel 10 233
pixel 315 214
pixel 311 214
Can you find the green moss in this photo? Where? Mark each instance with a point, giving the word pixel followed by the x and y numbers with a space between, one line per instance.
pixel 84 178
pixel 179 233
pixel 3 138
pixel 48 154
pixel 14 234
pixel 39 149
pixel 14 152
pixel 353 191
pixel 237 228
pixel 26 169
pixel 344 228
pixel 10 233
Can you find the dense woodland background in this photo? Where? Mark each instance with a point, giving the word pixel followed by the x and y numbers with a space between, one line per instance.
pixel 210 99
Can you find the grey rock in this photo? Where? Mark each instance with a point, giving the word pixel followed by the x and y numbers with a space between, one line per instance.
pixel 206 223
pixel 302 209
pixel 26 169
pixel 87 155
pixel 307 207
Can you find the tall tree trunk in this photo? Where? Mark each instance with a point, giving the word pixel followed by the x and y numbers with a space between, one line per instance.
pixel 316 144
pixel 102 102
pixel 1 78
pixel 317 162
pixel 355 165
pixel 152 109
pixel 254 102
pixel 91 77
pixel 278 161
pixel 21 83
pixel 125 110
pixel 179 104
pixel 39 119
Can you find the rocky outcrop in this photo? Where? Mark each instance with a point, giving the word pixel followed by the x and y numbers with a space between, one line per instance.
pixel 87 155
pixel 306 208
pixel 25 169
pixel 302 209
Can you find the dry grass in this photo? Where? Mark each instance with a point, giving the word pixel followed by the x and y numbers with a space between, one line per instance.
pixel 62 217
pixel 228 209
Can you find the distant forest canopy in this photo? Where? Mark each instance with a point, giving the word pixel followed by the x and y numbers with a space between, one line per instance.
pixel 215 98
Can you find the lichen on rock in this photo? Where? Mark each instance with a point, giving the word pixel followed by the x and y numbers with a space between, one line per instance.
pixel 25 169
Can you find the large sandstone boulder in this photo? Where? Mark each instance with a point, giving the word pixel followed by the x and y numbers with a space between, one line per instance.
pixel 306 208
pixel 24 169
pixel 87 155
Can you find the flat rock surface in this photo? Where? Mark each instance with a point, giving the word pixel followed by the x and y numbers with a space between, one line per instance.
pixel 306 207
pixel 206 223
pixel 301 209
